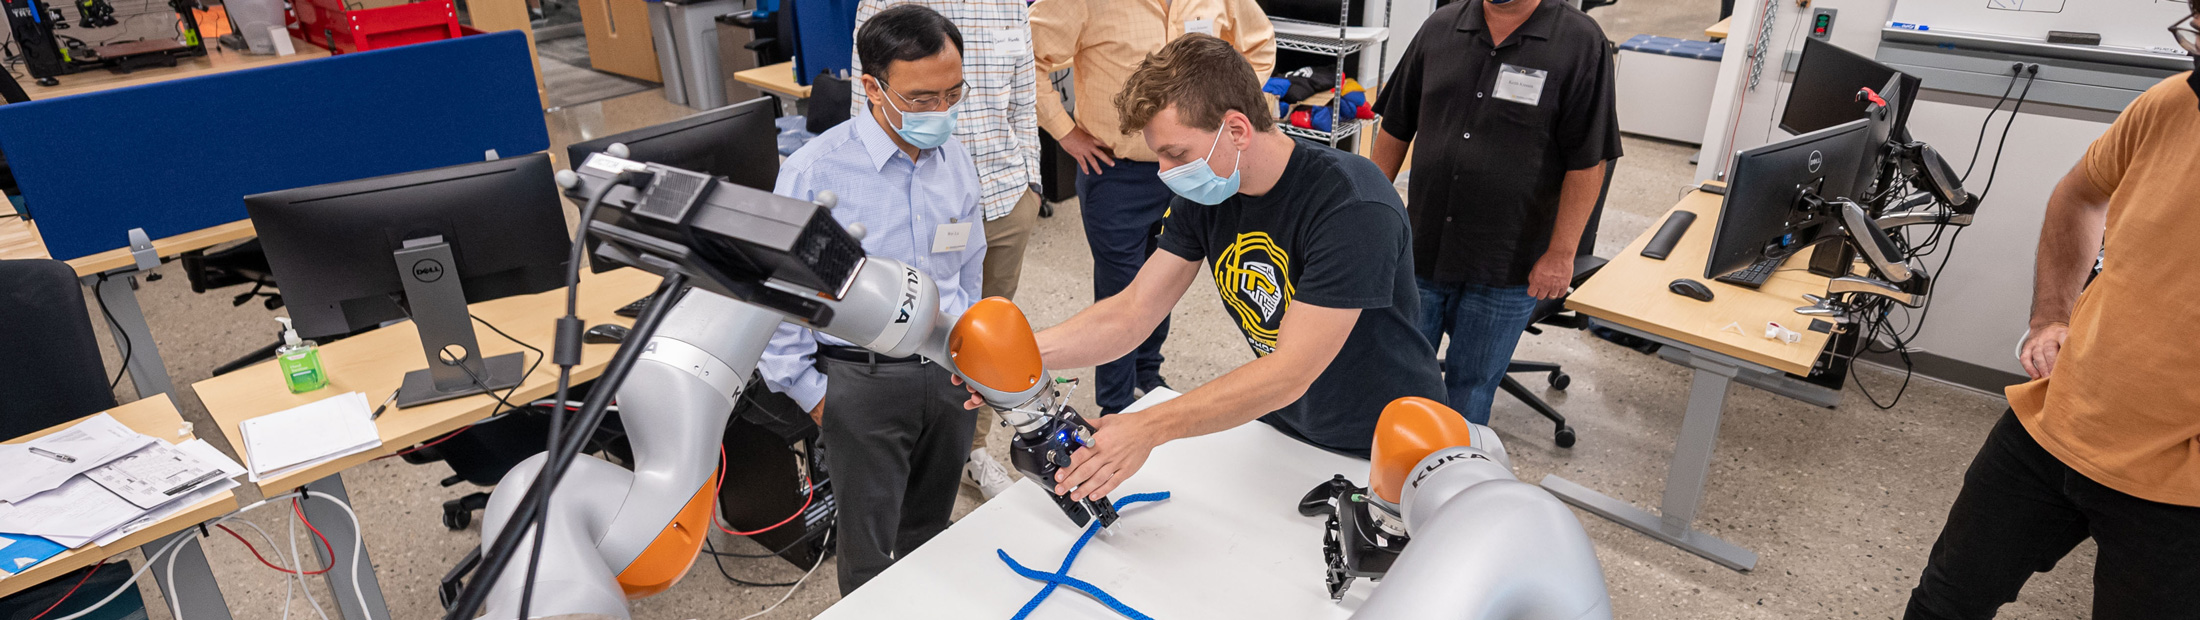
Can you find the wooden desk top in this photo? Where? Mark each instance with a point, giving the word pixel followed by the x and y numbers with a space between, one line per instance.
pixel 376 362
pixel 19 240
pixel 155 416
pixel 213 62
pixel 777 78
pixel 1631 291
pixel 1718 31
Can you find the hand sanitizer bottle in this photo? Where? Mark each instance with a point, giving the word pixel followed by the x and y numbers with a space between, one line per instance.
pixel 300 361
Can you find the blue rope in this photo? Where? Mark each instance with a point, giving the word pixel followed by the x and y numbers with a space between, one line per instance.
pixel 1060 577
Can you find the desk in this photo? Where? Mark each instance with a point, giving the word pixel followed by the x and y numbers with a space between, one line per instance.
pixel 157 417
pixel 376 362
pixel 777 78
pixel 213 62
pixel 1228 543
pixel 1719 30
pixel 1629 295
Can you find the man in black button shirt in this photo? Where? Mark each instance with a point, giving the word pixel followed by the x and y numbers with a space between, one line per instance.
pixel 1310 254
pixel 1512 104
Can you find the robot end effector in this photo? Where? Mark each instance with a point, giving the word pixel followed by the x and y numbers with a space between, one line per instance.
pixel 1450 532
pixel 994 350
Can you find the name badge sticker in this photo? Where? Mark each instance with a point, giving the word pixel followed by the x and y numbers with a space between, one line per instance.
pixel 1520 85
pixel 951 237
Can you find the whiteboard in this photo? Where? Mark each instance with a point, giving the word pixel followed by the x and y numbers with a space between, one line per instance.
pixel 2138 25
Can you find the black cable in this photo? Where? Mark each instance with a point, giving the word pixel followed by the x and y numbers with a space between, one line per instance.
pixel 539 513
pixel 1981 143
pixel 499 553
pixel 539 356
pixel 769 554
pixel 712 549
pixel 1991 171
pixel 120 335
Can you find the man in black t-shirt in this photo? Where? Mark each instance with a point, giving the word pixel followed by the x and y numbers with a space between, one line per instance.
pixel 1310 252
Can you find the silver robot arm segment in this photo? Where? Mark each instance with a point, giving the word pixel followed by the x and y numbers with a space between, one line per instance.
pixel 1487 546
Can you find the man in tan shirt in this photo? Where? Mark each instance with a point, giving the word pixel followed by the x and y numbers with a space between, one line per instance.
pixel 1119 191
pixel 2104 442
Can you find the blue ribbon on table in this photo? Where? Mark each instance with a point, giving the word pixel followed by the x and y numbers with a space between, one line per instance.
pixel 1061 576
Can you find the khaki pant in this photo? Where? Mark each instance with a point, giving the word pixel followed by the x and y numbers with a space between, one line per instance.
pixel 1005 242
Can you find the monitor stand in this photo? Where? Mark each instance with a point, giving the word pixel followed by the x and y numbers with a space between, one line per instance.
pixel 438 309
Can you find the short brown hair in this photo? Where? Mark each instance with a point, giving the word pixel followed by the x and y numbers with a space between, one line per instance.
pixel 1203 77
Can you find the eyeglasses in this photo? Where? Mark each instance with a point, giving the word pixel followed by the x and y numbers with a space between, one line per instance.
pixel 930 103
pixel 2187 35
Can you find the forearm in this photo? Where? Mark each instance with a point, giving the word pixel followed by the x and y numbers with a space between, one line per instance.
pixel 1053 118
pixel 1096 335
pixel 1390 154
pixel 1577 200
pixel 2070 237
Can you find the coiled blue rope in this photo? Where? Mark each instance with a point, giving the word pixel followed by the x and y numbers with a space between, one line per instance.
pixel 1061 576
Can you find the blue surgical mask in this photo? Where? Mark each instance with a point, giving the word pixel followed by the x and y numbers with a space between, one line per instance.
pixel 1198 183
pixel 924 130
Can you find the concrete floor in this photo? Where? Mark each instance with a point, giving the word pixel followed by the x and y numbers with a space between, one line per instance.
pixel 1841 504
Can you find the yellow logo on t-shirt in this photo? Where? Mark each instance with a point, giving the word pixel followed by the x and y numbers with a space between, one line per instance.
pixel 1253 276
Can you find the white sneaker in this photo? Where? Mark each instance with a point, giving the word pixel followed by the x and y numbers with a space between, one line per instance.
pixel 986 474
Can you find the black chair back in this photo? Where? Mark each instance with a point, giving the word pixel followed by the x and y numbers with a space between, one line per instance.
pixel 52 372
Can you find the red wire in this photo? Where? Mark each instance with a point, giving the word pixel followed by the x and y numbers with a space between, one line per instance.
pixel 809 492
pixel 72 590
pixel 330 552
pixel 256 553
pixel 426 445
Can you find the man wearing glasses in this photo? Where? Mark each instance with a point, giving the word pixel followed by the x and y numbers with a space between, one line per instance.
pixel 895 428
pixel 2104 442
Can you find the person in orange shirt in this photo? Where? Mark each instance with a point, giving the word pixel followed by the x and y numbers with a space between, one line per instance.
pixel 2104 442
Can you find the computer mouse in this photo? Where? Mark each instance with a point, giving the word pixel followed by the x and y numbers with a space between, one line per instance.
pixel 608 333
pixel 1690 289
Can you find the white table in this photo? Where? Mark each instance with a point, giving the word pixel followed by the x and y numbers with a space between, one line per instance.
pixel 1228 543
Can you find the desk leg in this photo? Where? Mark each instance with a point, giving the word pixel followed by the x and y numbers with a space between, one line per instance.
pixel 1684 478
pixel 202 596
pixel 143 359
pixel 336 525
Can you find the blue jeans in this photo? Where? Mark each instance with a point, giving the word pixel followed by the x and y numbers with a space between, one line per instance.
pixel 1122 209
pixel 1485 324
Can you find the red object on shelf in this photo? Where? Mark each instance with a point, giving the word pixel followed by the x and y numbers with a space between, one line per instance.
pixel 329 24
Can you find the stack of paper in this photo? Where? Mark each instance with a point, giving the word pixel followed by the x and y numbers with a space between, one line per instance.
pixel 310 434
pixel 41 464
pixel 98 481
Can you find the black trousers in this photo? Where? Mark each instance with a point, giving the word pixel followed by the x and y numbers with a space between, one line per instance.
pixel 2021 510
pixel 1122 209
pixel 895 436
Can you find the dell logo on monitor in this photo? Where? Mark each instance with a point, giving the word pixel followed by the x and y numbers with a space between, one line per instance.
pixel 427 270
pixel 1817 160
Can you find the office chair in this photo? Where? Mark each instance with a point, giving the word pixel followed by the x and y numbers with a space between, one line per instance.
pixel 1552 312
pixel 52 372
pixel 244 263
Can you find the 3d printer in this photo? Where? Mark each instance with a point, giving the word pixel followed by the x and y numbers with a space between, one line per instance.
pixel 48 55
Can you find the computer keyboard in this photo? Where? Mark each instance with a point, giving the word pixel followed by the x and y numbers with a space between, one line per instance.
pixel 1755 275
pixel 633 309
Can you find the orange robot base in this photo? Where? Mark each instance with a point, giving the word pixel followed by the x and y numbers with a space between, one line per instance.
pixel 668 558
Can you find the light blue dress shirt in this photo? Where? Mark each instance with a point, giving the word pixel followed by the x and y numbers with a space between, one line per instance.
pixel 902 204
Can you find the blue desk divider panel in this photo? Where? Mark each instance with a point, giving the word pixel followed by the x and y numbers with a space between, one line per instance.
pixel 178 156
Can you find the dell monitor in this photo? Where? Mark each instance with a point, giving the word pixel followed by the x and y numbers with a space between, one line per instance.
pixel 356 254
pixel 1826 81
pixel 738 142
pixel 1767 215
